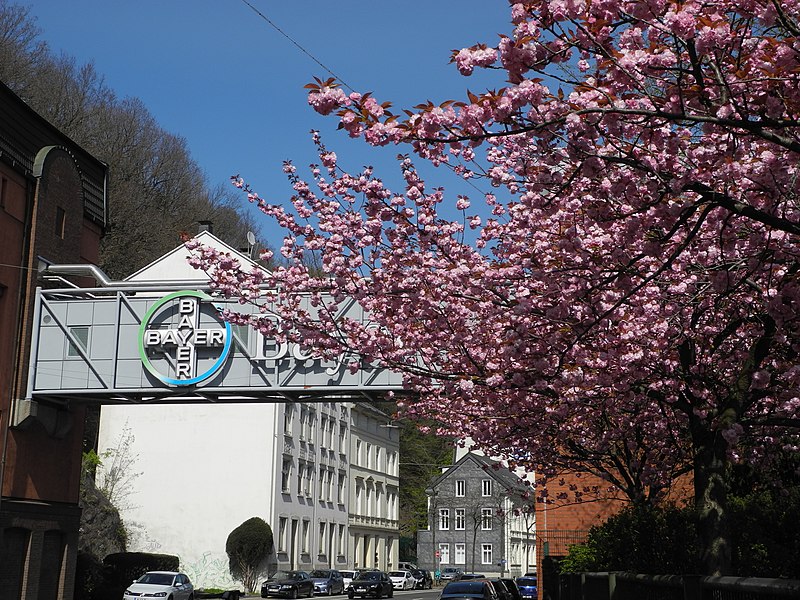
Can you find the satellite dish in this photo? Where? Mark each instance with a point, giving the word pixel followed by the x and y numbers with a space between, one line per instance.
pixel 251 238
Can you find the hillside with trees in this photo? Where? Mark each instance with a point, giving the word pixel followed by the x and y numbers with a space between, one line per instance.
pixel 156 191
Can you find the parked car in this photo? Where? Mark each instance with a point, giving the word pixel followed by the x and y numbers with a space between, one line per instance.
pixel 451 574
pixel 327 582
pixel 348 576
pixel 528 587
pixel 288 584
pixel 423 579
pixel 475 589
pixel 506 588
pixel 371 583
pixel 406 566
pixel 165 584
pixel 471 576
pixel 402 580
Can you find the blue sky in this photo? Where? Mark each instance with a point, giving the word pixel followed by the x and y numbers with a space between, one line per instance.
pixel 219 75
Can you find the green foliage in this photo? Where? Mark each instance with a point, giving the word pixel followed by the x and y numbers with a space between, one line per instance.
pixel 766 534
pixel 248 546
pixel 581 558
pixel 422 456
pixel 640 539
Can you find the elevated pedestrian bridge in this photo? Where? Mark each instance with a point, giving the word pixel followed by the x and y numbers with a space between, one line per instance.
pixel 155 343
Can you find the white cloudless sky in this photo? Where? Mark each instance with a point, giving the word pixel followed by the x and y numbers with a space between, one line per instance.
pixel 218 74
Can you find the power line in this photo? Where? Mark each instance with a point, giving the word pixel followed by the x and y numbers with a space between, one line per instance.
pixel 293 41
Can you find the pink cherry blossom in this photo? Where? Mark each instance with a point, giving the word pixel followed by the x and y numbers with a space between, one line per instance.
pixel 625 302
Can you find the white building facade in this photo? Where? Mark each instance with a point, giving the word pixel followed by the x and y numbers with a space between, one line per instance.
pixel 197 471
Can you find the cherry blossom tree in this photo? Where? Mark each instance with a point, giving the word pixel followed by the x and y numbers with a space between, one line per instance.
pixel 624 301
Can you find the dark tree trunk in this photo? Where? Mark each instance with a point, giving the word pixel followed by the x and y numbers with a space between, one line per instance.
pixel 711 469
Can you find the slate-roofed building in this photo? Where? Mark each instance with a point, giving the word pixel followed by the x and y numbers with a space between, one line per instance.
pixel 479 520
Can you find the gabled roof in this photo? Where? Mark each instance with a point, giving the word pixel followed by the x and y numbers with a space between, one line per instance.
pixel 495 469
pixel 174 264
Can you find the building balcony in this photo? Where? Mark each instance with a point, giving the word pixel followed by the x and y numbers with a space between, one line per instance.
pixel 373 522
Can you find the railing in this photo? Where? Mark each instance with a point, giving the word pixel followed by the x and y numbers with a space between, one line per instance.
pixel 628 586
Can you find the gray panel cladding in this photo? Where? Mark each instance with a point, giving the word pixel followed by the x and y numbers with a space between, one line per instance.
pixel 143 346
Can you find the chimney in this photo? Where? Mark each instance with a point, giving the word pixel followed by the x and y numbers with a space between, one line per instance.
pixel 205 226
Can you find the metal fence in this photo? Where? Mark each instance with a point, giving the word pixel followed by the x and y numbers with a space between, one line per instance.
pixel 628 586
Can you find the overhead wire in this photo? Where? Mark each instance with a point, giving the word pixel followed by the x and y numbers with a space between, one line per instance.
pixel 297 44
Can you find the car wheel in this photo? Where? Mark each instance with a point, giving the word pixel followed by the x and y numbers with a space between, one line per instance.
pixel 391 593
pixel 293 593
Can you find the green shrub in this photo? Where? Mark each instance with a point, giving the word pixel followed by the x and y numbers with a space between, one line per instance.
pixel 248 546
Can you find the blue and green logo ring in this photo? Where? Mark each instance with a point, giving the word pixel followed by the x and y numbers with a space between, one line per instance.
pixel 146 360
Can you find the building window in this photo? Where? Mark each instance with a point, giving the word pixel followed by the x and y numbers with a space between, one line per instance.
pixel 322 528
pixel 303 419
pixel 343 439
pixel 369 455
pixel 486 554
pixel 444 553
pixel 486 487
pixel 288 412
pixel 358 452
pixel 461 488
pixel 282 524
pixel 460 554
pixel 486 519
pixel 340 495
pixel 311 422
pixel 61 222
pixel 321 483
pixel 301 475
pixel 309 480
pixel 286 473
pixel 444 519
pixel 460 518
pixel 81 337
pixel 3 191
pixel 341 540
pixel 306 528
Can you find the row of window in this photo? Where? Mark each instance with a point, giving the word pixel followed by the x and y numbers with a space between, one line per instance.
pixel 460 554
pixel 460 518
pixel 307 426
pixel 461 488
pixel 330 484
pixel 331 537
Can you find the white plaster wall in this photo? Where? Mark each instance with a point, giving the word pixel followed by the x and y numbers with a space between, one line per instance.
pixel 205 469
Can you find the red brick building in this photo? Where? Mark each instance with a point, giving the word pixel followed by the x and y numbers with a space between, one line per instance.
pixel 52 210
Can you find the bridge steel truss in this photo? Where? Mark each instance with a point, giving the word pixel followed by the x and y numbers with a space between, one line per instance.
pixel 128 345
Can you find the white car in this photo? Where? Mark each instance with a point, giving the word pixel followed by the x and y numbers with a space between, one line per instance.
pixel 160 584
pixel 402 580
pixel 348 577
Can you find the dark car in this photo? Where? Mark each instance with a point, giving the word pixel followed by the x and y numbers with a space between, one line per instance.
pixel 423 578
pixel 465 576
pixel 371 583
pixel 288 584
pixel 528 587
pixel 506 589
pixel 471 589
pixel 327 582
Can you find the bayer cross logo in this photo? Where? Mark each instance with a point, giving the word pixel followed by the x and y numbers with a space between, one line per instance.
pixel 182 340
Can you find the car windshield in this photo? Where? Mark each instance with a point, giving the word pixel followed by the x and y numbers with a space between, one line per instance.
pixel 321 573
pixel 157 578
pixel 349 574
pixel 370 575
pixel 284 575
pixel 526 581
